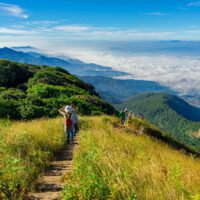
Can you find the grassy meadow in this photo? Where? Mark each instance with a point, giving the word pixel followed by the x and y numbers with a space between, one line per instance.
pixel 114 163
pixel 109 163
pixel 25 151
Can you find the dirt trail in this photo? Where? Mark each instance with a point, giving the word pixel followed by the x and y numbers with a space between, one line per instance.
pixel 50 185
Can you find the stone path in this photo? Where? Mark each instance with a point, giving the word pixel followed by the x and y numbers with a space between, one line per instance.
pixel 51 185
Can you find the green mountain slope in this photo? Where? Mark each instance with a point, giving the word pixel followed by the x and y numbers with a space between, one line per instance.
pixel 170 113
pixel 115 90
pixel 31 91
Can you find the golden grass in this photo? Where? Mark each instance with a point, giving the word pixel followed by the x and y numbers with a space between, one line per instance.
pixel 110 163
pixel 113 163
pixel 43 133
pixel 25 151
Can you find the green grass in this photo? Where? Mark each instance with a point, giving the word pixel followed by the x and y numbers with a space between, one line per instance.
pixel 25 151
pixel 114 163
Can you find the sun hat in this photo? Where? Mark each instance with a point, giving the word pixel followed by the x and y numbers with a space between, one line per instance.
pixel 68 109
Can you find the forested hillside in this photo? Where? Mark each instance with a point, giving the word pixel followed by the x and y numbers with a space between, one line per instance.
pixel 169 113
pixel 115 90
pixel 31 91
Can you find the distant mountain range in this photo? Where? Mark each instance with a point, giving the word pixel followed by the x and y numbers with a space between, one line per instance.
pixel 27 49
pixel 116 90
pixel 179 50
pixel 173 47
pixel 170 113
pixel 72 65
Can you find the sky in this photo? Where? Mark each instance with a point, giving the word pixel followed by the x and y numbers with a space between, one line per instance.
pixel 50 22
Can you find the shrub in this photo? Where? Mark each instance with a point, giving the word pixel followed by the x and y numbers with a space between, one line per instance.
pixel 43 90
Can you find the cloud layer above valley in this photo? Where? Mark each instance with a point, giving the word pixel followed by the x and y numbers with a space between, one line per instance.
pixel 181 73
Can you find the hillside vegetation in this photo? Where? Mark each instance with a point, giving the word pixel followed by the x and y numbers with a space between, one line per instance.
pixel 170 113
pixel 116 90
pixel 31 91
pixel 117 163
pixel 25 151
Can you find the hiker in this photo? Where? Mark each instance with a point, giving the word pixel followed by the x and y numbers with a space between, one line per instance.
pixel 66 112
pixel 141 116
pixel 68 109
pixel 122 116
pixel 74 120
pixel 69 127
pixel 134 116
pixel 129 119
pixel 126 115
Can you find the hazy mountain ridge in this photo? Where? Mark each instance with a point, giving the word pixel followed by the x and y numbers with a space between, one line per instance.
pixel 72 65
pixel 173 47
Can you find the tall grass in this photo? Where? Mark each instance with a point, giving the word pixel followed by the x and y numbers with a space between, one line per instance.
pixel 25 151
pixel 113 163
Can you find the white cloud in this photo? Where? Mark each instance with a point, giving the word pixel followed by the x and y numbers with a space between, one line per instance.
pixel 4 30
pixel 42 23
pixel 179 73
pixel 72 28
pixel 55 31
pixel 13 10
pixel 197 31
pixel 81 32
pixel 157 14
pixel 194 4
pixel 108 33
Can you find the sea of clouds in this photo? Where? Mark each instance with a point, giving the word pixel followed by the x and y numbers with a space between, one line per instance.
pixel 180 73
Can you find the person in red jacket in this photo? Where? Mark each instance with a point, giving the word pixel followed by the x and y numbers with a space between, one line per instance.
pixel 68 125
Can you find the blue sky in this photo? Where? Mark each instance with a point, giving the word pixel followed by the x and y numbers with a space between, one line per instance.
pixel 57 21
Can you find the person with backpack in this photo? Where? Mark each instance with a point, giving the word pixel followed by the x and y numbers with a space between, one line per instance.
pixel 129 119
pixel 68 125
pixel 122 116
pixel 74 120
pixel 69 128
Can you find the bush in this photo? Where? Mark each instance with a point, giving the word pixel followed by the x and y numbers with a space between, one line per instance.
pixel 13 74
